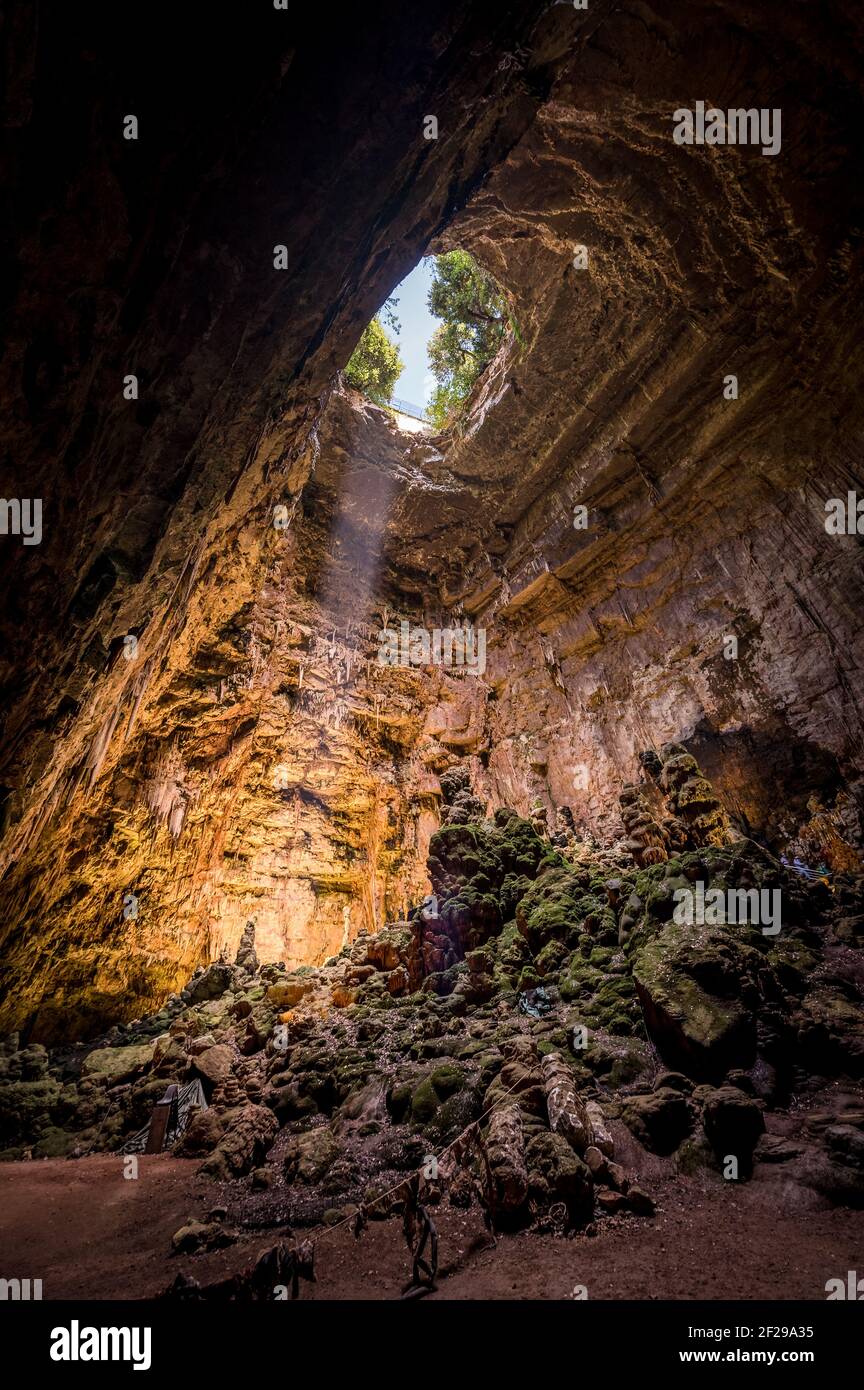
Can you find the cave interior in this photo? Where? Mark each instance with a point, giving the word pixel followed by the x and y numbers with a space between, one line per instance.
pixel 226 820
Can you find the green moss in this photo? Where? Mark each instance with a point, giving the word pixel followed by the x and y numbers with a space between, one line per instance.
pixel 55 1143
pixel 424 1102
pixel 447 1080
pixel 551 958
pixel 25 1107
pixel 481 871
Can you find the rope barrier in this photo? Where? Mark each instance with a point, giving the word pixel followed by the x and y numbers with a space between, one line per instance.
pixel 327 1230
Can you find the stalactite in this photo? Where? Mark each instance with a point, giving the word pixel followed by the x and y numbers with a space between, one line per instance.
pixel 101 743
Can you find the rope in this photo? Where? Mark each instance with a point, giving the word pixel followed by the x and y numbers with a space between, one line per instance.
pixel 328 1230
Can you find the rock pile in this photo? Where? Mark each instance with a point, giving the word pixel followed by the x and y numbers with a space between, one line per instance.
pixel 331 1082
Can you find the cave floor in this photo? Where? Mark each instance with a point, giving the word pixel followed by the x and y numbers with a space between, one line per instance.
pixel 90 1234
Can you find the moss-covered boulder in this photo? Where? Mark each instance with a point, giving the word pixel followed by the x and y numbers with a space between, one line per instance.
pixel 556 1174
pixel 201 1235
pixel 311 1155
pixel 435 1088
pixel 510 954
pixel 660 1120
pixel 829 1030
pixel 699 995
pixel 109 1066
pixel 247 1133
pixel 481 871
pixel 55 1143
pixel 25 1110
pixel 557 908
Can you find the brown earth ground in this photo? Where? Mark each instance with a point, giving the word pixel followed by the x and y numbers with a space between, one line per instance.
pixel 89 1233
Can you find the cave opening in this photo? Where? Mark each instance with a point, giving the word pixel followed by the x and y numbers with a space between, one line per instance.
pixel 432 340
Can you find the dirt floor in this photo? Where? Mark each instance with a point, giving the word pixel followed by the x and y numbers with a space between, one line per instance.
pixel 87 1232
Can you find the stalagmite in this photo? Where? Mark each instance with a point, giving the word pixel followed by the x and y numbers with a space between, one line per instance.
pixel 567 1114
pixel 601 1138
pixel 646 840
pixel 692 797
pixel 506 1150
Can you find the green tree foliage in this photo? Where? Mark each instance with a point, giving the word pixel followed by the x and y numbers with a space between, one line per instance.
pixel 474 316
pixel 375 364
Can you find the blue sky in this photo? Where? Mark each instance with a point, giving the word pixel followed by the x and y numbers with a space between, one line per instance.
pixel 416 383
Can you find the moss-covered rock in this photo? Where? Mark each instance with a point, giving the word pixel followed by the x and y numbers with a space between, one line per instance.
pixel 481 871
pixel 109 1066
pixel 55 1143
pixel 699 995
pixel 556 1174
pixel 311 1154
pixel 25 1110
pixel 557 908
pixel 829 1030
pixel 435 1088
pixel 660 1120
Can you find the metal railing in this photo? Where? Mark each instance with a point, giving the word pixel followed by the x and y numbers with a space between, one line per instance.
pixel 407 408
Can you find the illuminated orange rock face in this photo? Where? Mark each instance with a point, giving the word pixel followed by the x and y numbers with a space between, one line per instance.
pixel 252 759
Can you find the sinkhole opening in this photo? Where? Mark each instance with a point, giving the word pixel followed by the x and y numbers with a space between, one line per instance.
pixel 431 342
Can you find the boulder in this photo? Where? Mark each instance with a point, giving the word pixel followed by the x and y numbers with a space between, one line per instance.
pixel 288 1102
pixel 433 1090
pixel 247 1134
pixel 288 992
pixel 733 1123
pixel 109 1066
pixel 829 1025
pixel 200 1235
pixel 311 1154
pixel 611 1202
pixel 639 1202
pixel 557 1173
pixel 25 1109
pixel 697 988
pixel 212 984
pixel 32 1062
pixel 216 1063
pixel 660 1120
pixel 201 1135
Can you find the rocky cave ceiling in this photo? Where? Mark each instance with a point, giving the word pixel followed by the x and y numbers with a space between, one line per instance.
pixel 253 759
